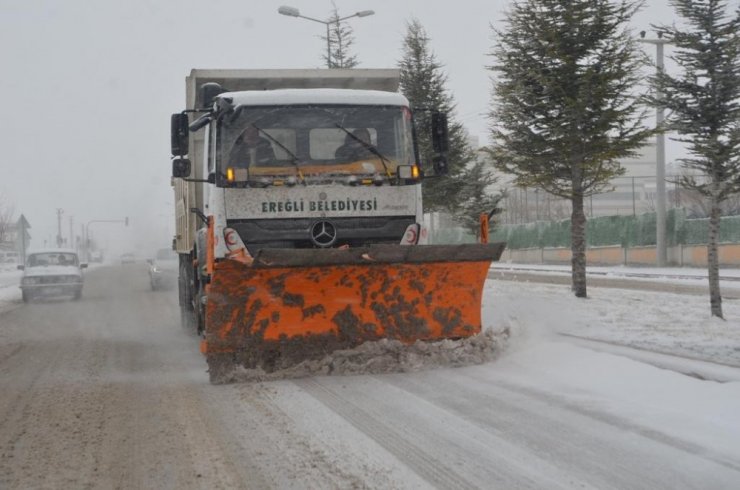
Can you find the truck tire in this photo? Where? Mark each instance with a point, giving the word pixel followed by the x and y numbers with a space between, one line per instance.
pixel 201 311
pixel 78 295
pixel 185 296
pixel 26 296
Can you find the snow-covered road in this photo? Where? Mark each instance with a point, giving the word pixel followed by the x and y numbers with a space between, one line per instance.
pixel 109 392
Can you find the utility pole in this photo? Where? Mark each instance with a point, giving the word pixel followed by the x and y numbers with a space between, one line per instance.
pixel 661 249
pixel 60 211
pixel 23 225
pixel 71 232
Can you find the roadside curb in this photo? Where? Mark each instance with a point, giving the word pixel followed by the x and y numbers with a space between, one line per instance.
pixel 687 365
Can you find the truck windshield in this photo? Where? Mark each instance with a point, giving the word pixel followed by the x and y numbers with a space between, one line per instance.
pixel 314 144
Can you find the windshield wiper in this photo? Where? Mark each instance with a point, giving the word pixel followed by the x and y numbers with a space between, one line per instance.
pixel 369 148
pixel 293 157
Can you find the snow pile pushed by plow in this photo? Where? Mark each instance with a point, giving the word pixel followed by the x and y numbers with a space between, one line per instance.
pixel 383 356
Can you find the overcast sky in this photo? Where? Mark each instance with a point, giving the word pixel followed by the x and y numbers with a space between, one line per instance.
pixel 88 88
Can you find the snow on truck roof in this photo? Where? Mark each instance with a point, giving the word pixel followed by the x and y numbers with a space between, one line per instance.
pixel 316 96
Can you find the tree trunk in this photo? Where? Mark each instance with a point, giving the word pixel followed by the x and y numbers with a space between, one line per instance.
pixel 715 298
pixel 578 246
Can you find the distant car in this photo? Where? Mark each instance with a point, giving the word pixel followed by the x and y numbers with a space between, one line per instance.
pixel 54 272
pixel 163 269
pixel 9 257
pixel 128 258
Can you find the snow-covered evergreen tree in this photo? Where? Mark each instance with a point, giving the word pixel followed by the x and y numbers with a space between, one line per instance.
pixel 341 39
pixel 703 101
pixel 564 110
pixel 424 84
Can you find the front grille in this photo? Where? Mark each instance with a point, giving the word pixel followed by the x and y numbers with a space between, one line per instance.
pixel 57 279
pixel 296 233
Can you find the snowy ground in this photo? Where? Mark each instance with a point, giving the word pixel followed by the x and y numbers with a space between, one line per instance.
pixel 9 291
pixel 110 392
pixel 729 278
pixel 680 325
pixel 663 322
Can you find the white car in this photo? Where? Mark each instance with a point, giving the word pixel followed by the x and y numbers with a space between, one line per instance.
pixel 163 269
pixel 48 273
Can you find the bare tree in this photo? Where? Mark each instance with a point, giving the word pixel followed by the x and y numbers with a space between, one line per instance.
pixel 7 223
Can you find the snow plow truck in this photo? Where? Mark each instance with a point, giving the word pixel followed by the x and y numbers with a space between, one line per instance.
pixel 299 223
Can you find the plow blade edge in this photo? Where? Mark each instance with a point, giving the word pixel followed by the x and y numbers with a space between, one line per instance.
pixel 293 305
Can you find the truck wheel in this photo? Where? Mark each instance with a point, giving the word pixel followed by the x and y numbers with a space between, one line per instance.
pixel 78 295
pixel 26 296
pixel 201 309
pixel 187 315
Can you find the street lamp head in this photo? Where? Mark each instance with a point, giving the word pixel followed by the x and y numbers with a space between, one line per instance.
pixel 289 11
pixel 364 13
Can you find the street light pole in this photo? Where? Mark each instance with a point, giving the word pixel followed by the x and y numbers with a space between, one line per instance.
pixel 660 206
pixel 60 211
pixel 294 12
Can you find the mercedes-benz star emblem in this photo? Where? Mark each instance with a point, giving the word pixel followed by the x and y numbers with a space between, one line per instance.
pixel 323 234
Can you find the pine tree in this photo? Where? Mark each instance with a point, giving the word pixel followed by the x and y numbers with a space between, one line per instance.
pixel 564 110
pixel 704 106
pixel 341 39
pixel 476 196
pixel 423 83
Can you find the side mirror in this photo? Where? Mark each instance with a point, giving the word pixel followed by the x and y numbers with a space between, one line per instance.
pixel 83 266
pixel 179 134
pixel 20 267
pixel 200 122
pixel 440 134
pixel 439 162
pixel 181 168
pixel 208 92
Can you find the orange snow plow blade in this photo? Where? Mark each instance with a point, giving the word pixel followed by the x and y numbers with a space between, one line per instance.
pixel 293 305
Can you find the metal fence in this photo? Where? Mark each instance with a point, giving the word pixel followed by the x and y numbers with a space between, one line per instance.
pixel 626 231
pixel 628 196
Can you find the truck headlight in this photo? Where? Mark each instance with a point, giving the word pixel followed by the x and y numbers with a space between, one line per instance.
pixel 28 281
pixel 408 172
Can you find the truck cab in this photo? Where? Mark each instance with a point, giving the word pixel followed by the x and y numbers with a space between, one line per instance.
pixel 309 180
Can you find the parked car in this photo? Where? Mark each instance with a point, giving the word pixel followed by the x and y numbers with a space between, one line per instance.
pixel 163 269
pixel 9 257
pixel 54 272
pixel 128 258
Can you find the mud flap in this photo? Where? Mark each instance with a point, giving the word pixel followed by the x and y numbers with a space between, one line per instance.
pixel 293 305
